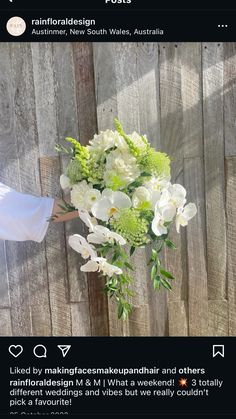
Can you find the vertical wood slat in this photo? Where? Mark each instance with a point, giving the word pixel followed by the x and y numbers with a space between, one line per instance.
pixel 5 322
pixel 231 241
pixel 4 283
pixel 68 126
pixel 196 250
pixel 30 304
pixel 14 253
pixel 55 250
pixel 212 57
pixel 191 93
pixel 172 142
pixel 230 97
pixel 86 103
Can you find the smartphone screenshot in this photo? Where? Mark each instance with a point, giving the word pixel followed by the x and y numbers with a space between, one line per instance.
pixel 117 209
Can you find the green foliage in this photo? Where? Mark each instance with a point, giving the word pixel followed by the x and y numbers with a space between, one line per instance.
pixel 118 286
pixel 170 244
pixel 158 274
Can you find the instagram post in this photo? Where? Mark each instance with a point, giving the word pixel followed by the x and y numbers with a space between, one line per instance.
pixel 117 210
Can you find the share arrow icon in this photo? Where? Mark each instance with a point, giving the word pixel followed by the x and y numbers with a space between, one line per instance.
pixel 64 349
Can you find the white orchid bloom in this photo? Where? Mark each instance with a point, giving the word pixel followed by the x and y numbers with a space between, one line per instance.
pixel 80 245
pixel 162 216
pixel 90 222
pixel 104 235
pixel 91 197
pixel 99 264
pixel 156 185
pixel 184 214
pixel 110 203
pixel 171 199
pixel 158 226
pixel 178 195
pixel 65 182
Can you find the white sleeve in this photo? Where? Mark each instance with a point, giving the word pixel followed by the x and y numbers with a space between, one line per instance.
pixel 23 217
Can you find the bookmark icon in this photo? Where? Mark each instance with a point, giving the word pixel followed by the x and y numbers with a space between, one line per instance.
pixel 64 349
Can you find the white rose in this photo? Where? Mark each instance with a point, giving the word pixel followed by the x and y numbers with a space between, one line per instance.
pixel 121 166
pixel 104 141
pixel 83 196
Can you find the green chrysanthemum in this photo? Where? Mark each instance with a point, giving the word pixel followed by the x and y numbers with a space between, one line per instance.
pixel 156 163
pixel 74 171
pixel 131 226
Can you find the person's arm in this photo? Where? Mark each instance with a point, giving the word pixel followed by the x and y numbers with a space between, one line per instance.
pixel 26 217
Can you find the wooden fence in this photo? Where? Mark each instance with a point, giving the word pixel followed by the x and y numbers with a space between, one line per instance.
pixel 183 96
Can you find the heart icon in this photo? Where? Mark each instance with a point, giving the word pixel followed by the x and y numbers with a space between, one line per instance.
pixel 15 350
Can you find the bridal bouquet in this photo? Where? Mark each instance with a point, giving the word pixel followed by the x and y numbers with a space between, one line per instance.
pixel 122 189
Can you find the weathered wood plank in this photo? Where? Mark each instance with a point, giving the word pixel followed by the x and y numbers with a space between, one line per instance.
pixel 7 139
pixel 176 260
pixel 191 93
pixel 196 249
pixel 28 302
pixel 148 89
pixel 67 125
pixel 5 322
pixel 171 101
pixel 172 142
pixel 212 57
pixel 85 90
pixel 4 285
pixel 218 318
pixel 230 97
pixel 231 240
pixel 27 140
pixel 56 257
pixel 9 173
pixel 86 102
pixel 178 312
pixel 49 173
pixel 105 84
pixel 80 319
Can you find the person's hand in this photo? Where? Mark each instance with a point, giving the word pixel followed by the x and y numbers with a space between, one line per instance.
pixel 57 217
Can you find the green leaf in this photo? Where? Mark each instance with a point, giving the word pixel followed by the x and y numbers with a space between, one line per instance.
pixel 145 174
pixel 120 310
pixel 132 250
pixel 166 284
pixel 128 266
pixel 153 272
pixel 170 244
pixel 154 255
pixel 157 282
pixel 167 274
